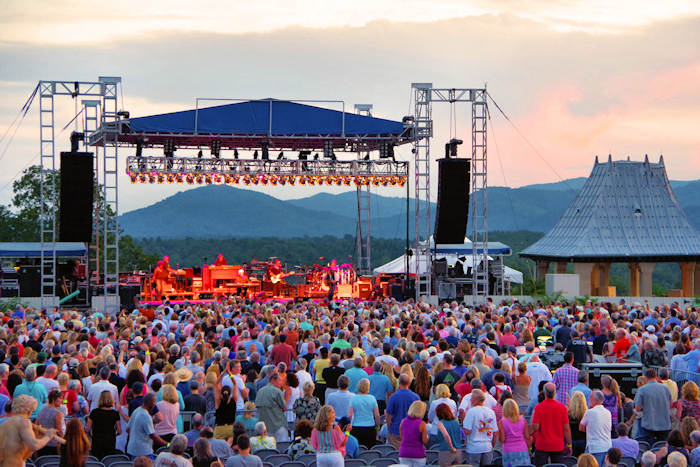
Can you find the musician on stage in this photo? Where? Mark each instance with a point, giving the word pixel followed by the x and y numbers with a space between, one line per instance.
pixel 161 276
pixel 276 275
pixel 220 260
pixel 332 279
pixel 17 438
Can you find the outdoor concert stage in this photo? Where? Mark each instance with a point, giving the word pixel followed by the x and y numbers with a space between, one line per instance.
pixel 260 281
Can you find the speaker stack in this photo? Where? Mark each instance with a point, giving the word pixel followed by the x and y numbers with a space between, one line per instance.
pixel 453 200
pixel 76 197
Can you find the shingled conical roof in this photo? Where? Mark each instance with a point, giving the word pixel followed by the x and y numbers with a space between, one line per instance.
pixel 626 211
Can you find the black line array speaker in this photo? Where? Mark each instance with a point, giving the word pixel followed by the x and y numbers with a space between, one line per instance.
pixel 77 188
pixel 453 200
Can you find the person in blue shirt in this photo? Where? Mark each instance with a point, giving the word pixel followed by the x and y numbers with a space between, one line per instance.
pixel 380 386
pixel 582 386
pixel 352 446
pixel 19 313
pixel 397 409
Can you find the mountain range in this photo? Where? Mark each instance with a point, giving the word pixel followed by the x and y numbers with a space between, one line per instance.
pixel 218 211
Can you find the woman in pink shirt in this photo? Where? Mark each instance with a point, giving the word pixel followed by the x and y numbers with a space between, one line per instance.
pixel 515 436
pixel 169 409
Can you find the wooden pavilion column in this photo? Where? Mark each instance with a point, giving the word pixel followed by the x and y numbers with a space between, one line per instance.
pixel 645 282
pixel 634 279
pixel 603 279
pixel 696 289
pixel 595 279
pixel 560 268
pixel 585 272
pixel 688 279
pixel 542 268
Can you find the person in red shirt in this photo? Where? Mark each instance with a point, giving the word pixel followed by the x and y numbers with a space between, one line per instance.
pixel 292 337
pixel 550 423
pixel 282 352
pixel 622 344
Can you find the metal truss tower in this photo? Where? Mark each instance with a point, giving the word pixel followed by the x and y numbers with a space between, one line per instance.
pixel 364 212
pixel 106 89
pixel 424 95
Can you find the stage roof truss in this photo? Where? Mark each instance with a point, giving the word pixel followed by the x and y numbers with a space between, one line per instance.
pixel 285 167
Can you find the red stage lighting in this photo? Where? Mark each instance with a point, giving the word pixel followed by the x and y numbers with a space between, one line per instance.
pixel 133 177
pixel 246 179
pixel 292 180
pixel 199 179
pixel 189 178
pixel 302 180
pixel 207 179
pixel 178 178
pixel 312 180
pixel 170 178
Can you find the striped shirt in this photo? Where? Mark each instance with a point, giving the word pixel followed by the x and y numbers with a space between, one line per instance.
pixel 564 379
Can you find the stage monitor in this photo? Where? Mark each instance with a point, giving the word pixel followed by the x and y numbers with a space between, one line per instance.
pixel 453 200
pixel 76 197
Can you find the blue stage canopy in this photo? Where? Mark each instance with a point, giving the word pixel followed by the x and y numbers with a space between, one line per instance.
pixel 266 117
pixel 33 249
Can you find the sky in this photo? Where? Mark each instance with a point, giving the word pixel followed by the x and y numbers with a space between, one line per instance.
pixel 576 78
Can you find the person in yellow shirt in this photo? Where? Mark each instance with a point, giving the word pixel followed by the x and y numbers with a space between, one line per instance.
pixel 665 379
pixel 319 365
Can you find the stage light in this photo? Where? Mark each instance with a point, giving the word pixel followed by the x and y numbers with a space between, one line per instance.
pixel 189 178
pixel 451 147
pixel 346 181
pixel 217 179
pixel 255 180
pixel 292 180
pixel 384 181
pixel 302 180
pixel 207 179
pixel 151 178
pixel 170 178
pixel 199 179
pixel 178 178
pixel 273 180
pixel 246 179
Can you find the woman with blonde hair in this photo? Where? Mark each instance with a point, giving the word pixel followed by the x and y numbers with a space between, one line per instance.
pixel 364 415
pixel 689 402
pixel 587 460
pixel 169 409
pixel 514 434
pixel 521 385
pixel 688 425
pixel 328 439
pixel 577 409
pixel 248 418
pixel 388 370
pixel 307 406
pixel 442 396
pixel 413 432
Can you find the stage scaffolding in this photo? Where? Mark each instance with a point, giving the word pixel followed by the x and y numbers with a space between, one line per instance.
pixel 104 110
pixel 424 94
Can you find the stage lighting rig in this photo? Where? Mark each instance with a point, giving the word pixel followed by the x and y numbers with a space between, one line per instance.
pixel 451 147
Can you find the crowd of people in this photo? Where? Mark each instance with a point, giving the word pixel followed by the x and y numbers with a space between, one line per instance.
pixel 228 383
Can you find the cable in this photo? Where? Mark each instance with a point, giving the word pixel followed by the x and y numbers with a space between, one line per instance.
pixel 21 111
pixel 24 110
pixel 517 130
pixel 503 172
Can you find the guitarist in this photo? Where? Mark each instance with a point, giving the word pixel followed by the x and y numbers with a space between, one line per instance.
pixel 276 275
pixel 332 279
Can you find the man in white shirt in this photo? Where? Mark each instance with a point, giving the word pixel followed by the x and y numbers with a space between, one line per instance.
pixel 597 423
pixel 538 372
pixel 481 428
pixel 386 356
pixel 97 388
pixel 48 379
pixel 235 374
pixel 467 403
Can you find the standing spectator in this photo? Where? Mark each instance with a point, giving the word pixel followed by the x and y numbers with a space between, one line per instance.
pixel 653 400
pixel 51 417
pixel 364 415
pixel 538 372
pixel 480 426
pixel 689 403
pixel 565 378
pixel 169 409
pixel 282 352
pixel 380 386
pixel 77 446
pixel 196 427
pixel 48 379
pixel 142 433
pixel 664 378
pixel 340 400
pixel 582 386
pixel 628 446
pixel 550 423
pixel 597 424
pixel 331 375
pixel 695 453
pixel 104 426
pixel 613 398
pixel 248 418
pixel 194 401
pixel 355 374
pixel 577 409
pixel 397 409
pixel 244 458
pixel 271 404
pixel 306 407
pixel 103 384
pixel 514 434
pixel 522 384
pixel 442 394
pixel 449 436
pixel 33 389
pixel 176 456
pixel 328 439
pixel 414 436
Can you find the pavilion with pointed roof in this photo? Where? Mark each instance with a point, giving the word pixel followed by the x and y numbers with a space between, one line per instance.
pixel 626 212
